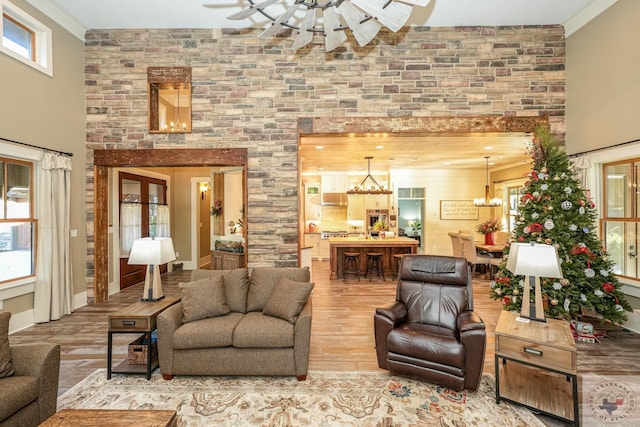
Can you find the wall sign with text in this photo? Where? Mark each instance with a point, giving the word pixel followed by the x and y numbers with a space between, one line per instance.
pixel 458 209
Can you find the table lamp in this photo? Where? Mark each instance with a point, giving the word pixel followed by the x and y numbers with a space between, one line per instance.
pixel 152 252
pixel 533 260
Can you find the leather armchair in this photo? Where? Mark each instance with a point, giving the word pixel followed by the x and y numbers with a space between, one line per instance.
pixel 431 331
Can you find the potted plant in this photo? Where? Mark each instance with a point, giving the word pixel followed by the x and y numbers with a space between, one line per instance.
pixel 416 227
pixel 487 228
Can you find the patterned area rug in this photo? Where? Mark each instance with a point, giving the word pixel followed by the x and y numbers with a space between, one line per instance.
pixel 374 399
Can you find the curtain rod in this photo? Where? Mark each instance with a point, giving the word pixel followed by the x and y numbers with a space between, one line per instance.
pixel 604 148
pixel 64 153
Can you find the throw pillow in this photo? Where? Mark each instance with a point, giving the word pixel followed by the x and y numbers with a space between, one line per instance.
pixel 203 298
pixel 287 299
pixel 6 368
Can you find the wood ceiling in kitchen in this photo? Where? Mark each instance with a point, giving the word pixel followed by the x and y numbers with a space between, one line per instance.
pixel 347 152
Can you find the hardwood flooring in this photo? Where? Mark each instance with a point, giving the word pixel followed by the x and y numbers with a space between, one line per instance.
pixel 342 330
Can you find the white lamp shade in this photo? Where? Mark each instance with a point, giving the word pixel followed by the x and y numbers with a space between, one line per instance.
pixel 152 251
pixel 534 259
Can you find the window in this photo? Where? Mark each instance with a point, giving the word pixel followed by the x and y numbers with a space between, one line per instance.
pixel 26 39
pixel 17 222
pixel 621 220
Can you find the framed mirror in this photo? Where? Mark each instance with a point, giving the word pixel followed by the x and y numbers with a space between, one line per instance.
pixel 169 99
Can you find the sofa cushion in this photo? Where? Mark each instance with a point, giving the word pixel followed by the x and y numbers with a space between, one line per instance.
pixel 203 298
pixel 212 332
pixel 236 285
pixel 287 299
pixel 6 367
pixel 256 330
pixel 264 279
pixel 16 392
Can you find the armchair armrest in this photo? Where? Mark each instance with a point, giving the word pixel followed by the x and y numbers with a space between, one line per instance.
pixel 474 339
pixel 468 321
pixel 384 320
pixel 43 362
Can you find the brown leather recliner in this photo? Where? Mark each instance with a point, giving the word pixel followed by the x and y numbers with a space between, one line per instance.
pixel 431 331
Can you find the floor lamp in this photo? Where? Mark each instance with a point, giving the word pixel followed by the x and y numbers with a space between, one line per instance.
pixel 533 260
pixel 153 252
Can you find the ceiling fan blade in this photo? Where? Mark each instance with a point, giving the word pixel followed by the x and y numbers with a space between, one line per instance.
pixel 363 32
pixel 305 36
pixel 244 14
pixel 332 37
pixel 392 15
pixel 277 23
pixel 417 2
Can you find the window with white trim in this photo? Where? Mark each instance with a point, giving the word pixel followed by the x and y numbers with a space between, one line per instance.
pixel 17 221
pixel 25 38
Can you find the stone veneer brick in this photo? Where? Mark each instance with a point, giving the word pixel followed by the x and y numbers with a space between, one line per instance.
pixel 249 94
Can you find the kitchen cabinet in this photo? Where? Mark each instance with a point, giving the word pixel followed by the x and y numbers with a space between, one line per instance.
pixel 225 260
pixel 334 183
pixel 377 201
pixel 312 202
pixel 355 207
pixel 312 240
pixel 323 249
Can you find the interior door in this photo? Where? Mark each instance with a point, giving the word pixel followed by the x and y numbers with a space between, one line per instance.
pixel 141 199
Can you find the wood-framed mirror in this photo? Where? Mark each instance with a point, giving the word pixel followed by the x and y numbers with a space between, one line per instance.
pixel 169 99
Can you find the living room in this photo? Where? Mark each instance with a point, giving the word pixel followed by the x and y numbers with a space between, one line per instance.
pixel 261 99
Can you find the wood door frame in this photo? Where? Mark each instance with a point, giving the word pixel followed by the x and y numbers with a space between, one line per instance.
pixel 105 159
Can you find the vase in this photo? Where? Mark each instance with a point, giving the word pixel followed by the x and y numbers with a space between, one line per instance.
pixel 488 239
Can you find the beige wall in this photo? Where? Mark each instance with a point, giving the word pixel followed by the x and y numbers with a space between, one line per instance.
pixel 603 87
pixel 49 112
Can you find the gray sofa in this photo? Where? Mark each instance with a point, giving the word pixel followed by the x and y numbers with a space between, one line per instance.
pixel 29 396
pixel 230 322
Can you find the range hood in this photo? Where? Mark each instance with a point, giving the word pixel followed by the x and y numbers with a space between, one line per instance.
pixel 373 189
pixel 334 199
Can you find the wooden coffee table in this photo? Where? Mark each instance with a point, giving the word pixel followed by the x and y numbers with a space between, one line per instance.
pixel 111 418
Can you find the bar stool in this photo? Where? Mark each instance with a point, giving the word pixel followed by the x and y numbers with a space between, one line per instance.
pixel 397 259
pixel 351 265
pixel 374 265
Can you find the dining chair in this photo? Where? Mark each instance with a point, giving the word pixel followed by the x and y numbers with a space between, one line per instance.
pixel 471 254
pixel 456 244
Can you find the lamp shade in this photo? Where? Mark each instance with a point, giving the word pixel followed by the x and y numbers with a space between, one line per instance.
pixel 534 259
pixel 152 251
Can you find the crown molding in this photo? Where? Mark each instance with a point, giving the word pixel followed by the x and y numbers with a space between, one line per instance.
pixel 61 17
pixel 583 17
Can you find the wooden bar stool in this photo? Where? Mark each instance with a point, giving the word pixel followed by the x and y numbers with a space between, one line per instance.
pixel 374 265
pixel 351 260
pixel 397 259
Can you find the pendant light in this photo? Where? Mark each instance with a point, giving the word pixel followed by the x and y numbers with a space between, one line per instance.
pixel 487 200
pixel 373 189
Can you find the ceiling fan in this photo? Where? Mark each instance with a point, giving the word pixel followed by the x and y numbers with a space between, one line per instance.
pixel 332 18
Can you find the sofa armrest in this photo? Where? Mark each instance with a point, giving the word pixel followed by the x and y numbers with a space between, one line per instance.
pixel 474 339
pixel 302 340
pixel 384 320
pixel 43 362
pixel 167 323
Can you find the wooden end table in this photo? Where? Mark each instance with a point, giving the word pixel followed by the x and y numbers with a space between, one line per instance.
pixel 111 418
pixel 543 376
pixel 138 317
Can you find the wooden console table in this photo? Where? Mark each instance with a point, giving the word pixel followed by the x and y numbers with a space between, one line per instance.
pixel 538 368
pixel 137 318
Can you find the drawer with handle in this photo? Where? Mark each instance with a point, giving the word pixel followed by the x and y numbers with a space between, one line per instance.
pixel 130 324
pixel 545 355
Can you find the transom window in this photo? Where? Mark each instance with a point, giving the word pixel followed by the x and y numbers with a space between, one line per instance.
pixel 25 38
pixel 17 222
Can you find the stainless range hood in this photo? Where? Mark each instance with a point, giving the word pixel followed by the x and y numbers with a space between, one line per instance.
pixel 334 199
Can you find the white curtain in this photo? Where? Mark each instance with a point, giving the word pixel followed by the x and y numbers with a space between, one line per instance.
pixel 130 225
pixel 53 295
pixel 162 224
pixel 581 166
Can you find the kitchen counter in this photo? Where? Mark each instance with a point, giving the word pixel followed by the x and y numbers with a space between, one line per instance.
pixel 388 247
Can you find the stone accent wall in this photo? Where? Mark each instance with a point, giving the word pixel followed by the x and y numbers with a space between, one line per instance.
pixel 247 94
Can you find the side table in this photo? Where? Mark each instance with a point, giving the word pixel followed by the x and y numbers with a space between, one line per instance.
pixel 138 317
pixel 538 368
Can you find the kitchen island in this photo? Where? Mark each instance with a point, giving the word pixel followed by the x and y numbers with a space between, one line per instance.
pixel 388 247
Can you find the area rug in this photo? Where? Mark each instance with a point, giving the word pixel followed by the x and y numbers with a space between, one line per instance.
pixel 375 399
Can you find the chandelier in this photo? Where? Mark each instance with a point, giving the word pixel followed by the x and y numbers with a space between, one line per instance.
pixel 332 18
pixel 487 200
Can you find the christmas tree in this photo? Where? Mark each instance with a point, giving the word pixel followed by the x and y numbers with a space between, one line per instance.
pixel 555 210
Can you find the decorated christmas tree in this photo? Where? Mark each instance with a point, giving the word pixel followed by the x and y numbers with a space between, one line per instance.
pixel 555 210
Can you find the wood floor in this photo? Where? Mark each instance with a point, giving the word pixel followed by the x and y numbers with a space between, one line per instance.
pixel 342 330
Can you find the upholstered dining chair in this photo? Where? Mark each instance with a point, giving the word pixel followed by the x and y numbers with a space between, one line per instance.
pixel 431 331
pixel 472 256
pixel 456 245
